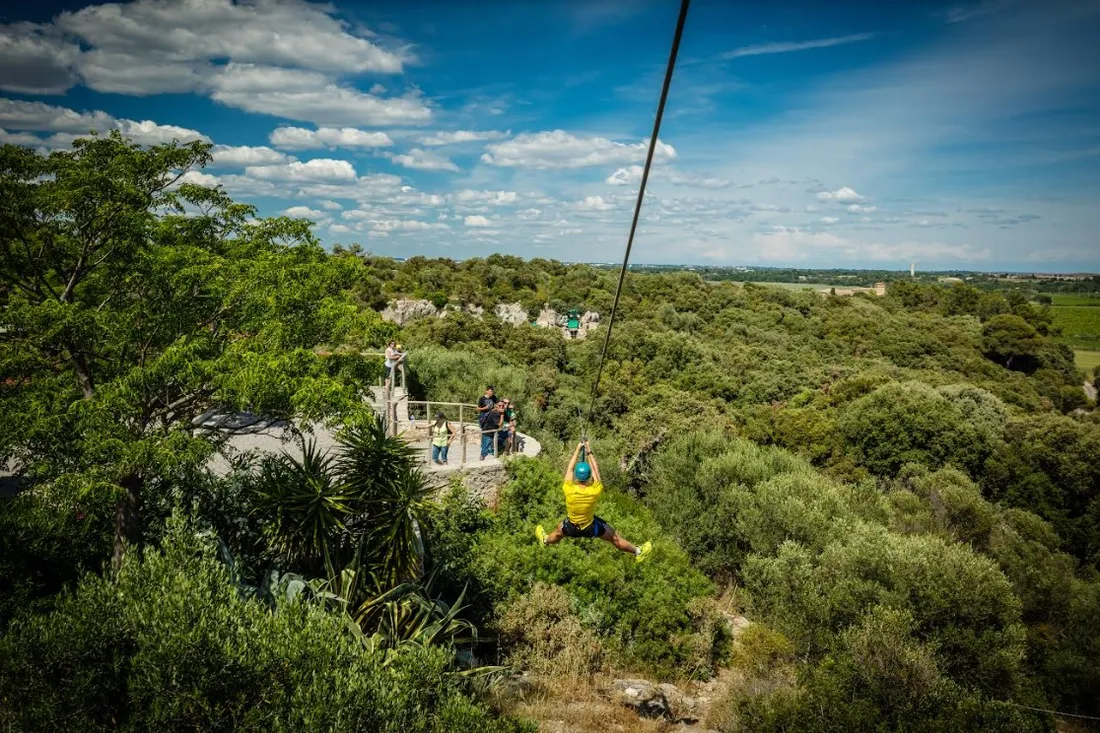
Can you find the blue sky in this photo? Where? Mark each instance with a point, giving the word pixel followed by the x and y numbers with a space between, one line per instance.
pixel 841 134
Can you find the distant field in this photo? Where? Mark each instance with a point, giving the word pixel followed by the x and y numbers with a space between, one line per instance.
pixel 1087 361
pixel 1069 299
pixel 1080 323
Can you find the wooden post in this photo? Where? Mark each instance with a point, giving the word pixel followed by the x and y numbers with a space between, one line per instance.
pixel 496 435
pixel 462 433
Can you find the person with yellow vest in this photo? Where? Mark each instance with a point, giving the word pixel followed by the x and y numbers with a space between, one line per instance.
pixel 582 489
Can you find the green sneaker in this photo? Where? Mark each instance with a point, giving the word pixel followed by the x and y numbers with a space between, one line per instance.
pixel 540 533
pixel 643 552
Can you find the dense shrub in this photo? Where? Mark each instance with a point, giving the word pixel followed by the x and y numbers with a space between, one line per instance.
pixel 642 613
pixel 903 423
pixel 169 645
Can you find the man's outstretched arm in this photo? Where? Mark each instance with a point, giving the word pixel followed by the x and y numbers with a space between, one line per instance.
pixel 572 463
pixel 592 462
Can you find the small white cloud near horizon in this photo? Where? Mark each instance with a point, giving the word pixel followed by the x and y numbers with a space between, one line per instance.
pixel 829 220
pixel 303 212
pixel 857 209
pixel 844 194
pixel 461 136
pixel 593 203
pixel 423 160
pixel 476 221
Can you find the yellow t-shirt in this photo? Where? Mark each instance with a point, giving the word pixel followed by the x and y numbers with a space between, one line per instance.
pixel 580 502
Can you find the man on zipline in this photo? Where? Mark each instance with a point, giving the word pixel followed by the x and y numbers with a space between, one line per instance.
pixel 582 489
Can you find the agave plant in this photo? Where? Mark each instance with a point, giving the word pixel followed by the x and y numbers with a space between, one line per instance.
pixel 307 507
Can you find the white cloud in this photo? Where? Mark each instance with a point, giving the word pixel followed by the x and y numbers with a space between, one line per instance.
pixel 20 115
pixel 558 149
pixel 841 195
pixel 18 138
pixel 461 136
pixel 787 47
pixel 330 205
pixel 299 138
pixel 857 209
pixel 789 243
pixel 529 213
pixel 377 234
pixel 199 179
pixel 33 62
pixel 829 220
pixel 319 170
pixel 926 251
pixel 339 229
pixel 389 225
pixel 245 155
pixel 593 203
pixel 476 221
pixel 489 198
pixel 423 160
pixel 632 176
pixel 303 212
pixel 311 96
pixel 148 132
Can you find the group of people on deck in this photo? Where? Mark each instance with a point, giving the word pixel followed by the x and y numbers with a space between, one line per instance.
pixel 495 416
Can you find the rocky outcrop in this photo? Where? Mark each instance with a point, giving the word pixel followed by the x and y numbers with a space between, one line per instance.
pixel 404 310
pixel 484 482
pixel 550 318
pixel 590 317
pixel 511 313
pixel 646 698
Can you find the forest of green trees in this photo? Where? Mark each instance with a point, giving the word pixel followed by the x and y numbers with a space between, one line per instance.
pixel 901 492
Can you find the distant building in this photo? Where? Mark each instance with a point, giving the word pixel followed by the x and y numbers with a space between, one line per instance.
pixel 950 279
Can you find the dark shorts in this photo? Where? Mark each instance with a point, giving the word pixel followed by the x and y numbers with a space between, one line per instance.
pixel 593 530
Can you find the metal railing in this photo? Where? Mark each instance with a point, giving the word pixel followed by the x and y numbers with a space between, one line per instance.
pixel 421 413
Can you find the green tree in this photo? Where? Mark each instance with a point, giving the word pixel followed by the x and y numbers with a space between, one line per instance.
pixel 137 302
pixel 1010 340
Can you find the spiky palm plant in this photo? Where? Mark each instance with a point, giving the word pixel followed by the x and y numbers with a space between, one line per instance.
pixel 307 508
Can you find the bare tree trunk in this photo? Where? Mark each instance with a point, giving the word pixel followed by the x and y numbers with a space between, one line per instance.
pixel 127 517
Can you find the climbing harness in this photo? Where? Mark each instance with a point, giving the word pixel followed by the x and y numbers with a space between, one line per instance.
pixel 638 203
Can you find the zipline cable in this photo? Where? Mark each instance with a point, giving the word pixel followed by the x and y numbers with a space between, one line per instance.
pixel 638 204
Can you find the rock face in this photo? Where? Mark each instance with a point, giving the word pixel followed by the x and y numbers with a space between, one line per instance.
pixel 550 318
pixel 483 482
pixel 590 317
pixel 402 311
pixel 511 313
pixel 646 698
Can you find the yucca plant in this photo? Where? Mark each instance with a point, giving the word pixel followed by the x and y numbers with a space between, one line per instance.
pixel 308 508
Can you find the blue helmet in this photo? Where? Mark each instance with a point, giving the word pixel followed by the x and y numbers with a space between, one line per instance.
pixel 582 471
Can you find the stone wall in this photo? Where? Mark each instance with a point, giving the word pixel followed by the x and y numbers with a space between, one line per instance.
pixel 483 482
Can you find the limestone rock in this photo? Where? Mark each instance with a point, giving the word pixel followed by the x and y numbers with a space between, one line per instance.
pixel 737 624
pixel 590 317
pixel 550 318
pixel 474 310
pixel 644 697
pixel 404 310
pixel 511 313
pixel 680 706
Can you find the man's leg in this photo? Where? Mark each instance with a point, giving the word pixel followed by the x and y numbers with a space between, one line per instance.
pixel 610 535
pixel 486 444
pixel 554 537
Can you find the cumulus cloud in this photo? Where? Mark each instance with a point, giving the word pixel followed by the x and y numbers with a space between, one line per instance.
pixel 67 124
pixel 339 229
pixel 632 176
pixel 489 198
pixel 423 160
pixel 829 220
pixel 330 205
pixel 199 179
pixel 558 149
pixel 461 136
pixel 318 169
pixel 389 225
pixel 153 46
pixel 299 138
pixel 34 62
pixel 311 96
pixel 476 221
pixel 245 155
pixel 593 203
pixel 20 115
pixel 303 212
pixel 18 138
pixel 529 213
pixel 857 209
pixel 841 195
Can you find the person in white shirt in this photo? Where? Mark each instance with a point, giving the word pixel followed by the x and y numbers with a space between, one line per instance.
pixel 395 361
